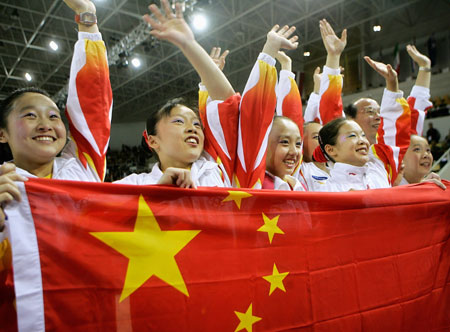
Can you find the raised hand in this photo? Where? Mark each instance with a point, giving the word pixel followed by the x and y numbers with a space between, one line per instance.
pixel 332 43
pixel 280 39
pixel 316 78
pixel 218 59
pixel 284 60
pixel 389 74
pixel 419 58
pixel 171 27
pixel 80 6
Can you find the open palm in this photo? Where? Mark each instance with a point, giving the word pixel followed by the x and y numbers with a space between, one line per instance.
pixel 171 27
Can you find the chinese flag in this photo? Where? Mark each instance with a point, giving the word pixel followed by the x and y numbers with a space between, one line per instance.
pixel 105 257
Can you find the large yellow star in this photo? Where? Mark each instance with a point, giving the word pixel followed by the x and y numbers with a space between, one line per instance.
pixel 246 320
pixel 270 226
pixel 236 196
pixel 150 251
pixel 276 280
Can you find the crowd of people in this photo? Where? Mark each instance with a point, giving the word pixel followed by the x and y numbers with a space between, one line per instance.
pixel 259 139
pixel 232 140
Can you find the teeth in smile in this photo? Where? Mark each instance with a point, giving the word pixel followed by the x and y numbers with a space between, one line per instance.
pixel 44 138
pixel 191 140
pixel 289 162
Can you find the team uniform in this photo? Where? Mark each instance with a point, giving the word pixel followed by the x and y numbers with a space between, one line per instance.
pixel 89 107
pixel 204 173
pixel 419 103
pixel 384 157
pixel 215 167
pixel 321 108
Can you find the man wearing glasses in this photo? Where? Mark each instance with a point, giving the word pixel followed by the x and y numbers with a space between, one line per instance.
pixel 366 112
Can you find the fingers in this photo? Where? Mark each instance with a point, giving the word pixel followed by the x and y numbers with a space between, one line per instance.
pixel 283 30
pixel 215 51
pixel 344 36
pixel 224 54
pixel 317 71
pixel 437 182
pixel 155 11
pixel 6 197
pixel 178 10
pixel 293 39
pixel 2 219
pixel 153 23
pixel 275 28
pixel 370 62
pixel 6 168
pixel 167 9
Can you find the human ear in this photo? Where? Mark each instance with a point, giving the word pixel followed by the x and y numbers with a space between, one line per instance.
pixel 331 150
pixel 3 136
pixel 153 142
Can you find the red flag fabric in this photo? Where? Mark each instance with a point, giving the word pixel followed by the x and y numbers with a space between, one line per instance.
pixel 108 257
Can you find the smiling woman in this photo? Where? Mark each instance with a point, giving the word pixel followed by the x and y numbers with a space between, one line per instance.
pixel 31 125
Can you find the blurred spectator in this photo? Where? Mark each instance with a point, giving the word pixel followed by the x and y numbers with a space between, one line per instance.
pixel 127 161
pixel 433 134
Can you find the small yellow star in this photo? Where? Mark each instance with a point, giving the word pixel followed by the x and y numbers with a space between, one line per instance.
pixel 236 196
pixel 276 280
pixel 246 320
pixel 270 226
pixel 150 251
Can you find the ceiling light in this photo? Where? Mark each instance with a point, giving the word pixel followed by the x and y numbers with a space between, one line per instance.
pixel 199 22
pixel 306 53
pixel 136 62
pixel 377 28
pixel 28 77
pixel 53 45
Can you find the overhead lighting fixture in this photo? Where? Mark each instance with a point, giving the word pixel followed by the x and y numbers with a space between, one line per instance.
pixel 53 45
pixel 377 28
pixel 123 59
pixel 199 22
pixel 306 53
pixel 136 62
pixel 28 77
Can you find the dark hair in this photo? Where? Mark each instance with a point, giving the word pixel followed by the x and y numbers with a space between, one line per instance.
pixel 350 111
pixel 308 123
pixel 154 117
pixel 329 133
pixel 6 105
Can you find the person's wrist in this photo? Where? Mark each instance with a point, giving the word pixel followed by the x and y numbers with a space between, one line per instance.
pixel 425 68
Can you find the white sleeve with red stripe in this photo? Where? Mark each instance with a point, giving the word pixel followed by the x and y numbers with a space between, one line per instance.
pixel 89 102
pixel 312 108
pixel 393 135
pixel 289 101
pixel 257 109
pixel 419 103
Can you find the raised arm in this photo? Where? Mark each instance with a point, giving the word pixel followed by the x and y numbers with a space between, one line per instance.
pixel 393 135
pixel 419 99
pixel 330 106
pixel 258 108
pixel 312 106
pixel 173 28
pixel 289 100
pixel 89 101
pixel 220 121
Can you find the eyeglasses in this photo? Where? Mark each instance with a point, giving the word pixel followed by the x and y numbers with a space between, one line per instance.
pixel 371 111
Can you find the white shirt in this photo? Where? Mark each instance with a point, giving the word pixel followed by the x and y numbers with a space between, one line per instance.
pixel 312 176
pixel 344 177
pixel 204 173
